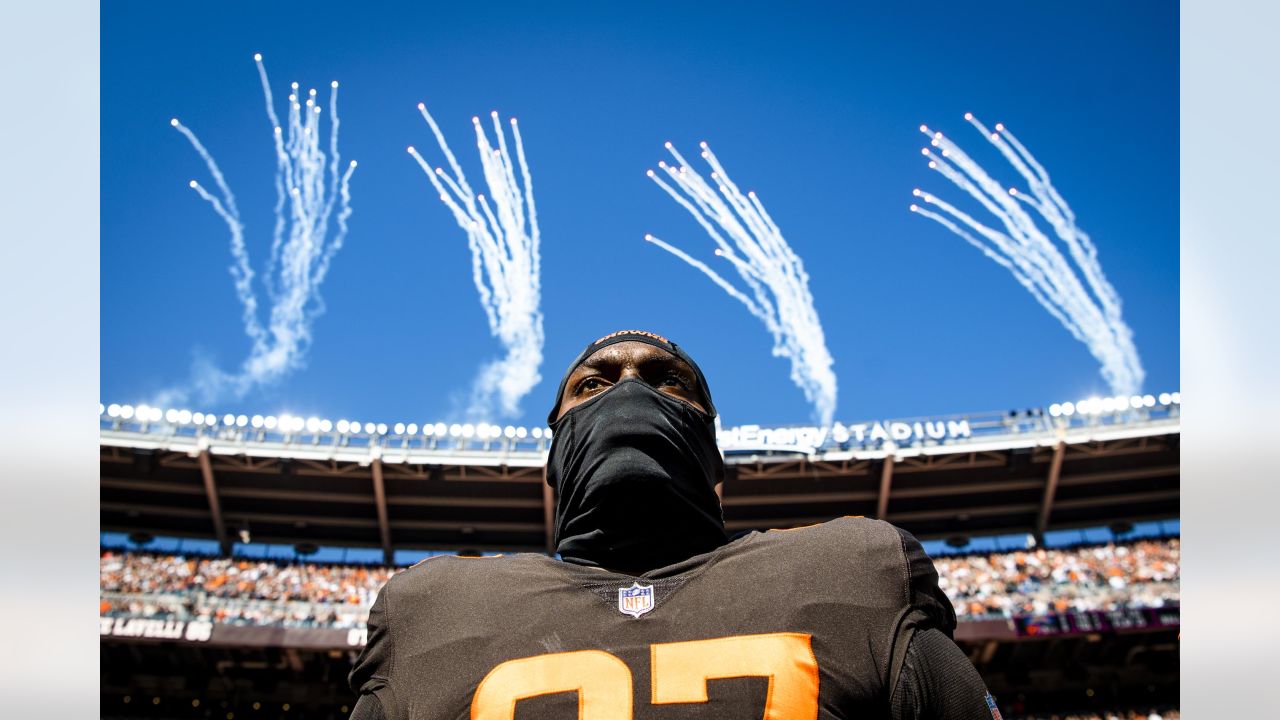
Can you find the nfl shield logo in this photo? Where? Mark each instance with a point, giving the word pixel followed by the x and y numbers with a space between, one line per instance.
pixel 635 600
pixel 991 705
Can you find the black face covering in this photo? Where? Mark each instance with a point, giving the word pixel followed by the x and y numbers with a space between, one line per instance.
pixel 635 472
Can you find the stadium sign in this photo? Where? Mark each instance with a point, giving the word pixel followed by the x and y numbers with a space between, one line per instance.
pixel 133 629
pixel 155 628
pixel 812 439
pixel 1098 621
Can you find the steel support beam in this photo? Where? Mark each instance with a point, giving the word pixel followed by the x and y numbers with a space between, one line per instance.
pixel 215 507
pixel 549 517
pixel 886 482
pixel 380 499
pixel 1050 489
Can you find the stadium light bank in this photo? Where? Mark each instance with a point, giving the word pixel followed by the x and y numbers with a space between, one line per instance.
pixel 484 443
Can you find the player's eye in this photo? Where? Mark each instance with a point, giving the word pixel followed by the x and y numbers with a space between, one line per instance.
pixel 589 385
pixel 675 380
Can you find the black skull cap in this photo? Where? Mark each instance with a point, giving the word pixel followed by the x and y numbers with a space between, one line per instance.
pixel 647 338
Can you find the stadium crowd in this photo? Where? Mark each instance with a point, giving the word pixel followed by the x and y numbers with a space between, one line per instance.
pixel 1106 715
pixel 238 591
pixel 1140 574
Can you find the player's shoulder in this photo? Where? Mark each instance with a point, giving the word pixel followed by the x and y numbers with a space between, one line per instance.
pixel 453 569
pixel 853 533
pixel 853 546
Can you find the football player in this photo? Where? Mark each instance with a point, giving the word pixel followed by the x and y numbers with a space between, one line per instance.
pixel 652 611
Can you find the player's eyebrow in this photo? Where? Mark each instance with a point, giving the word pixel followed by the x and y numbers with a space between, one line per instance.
pixel 592 363
pixel 670 361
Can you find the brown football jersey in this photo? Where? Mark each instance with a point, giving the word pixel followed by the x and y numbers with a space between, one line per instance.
pixel 796 624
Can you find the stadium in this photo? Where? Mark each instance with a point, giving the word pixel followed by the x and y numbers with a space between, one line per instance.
pixel 240 554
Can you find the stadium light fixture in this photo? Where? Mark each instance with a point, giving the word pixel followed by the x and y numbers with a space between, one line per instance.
pixel 1108 404
pixel 1135 402
pixel 113 410
pixel 256 421
pixel 126 411
pixel 428 429
pixel 537 433
pixel 155 414
pixel 547 433
pixel 468 430
pixel 184 416
pixel 1165 399
pixel 198 418
pixel 509 432
pixel 412 429
pixel 142 412
pixel 440 429
pixel 455 430
pixel 210 420
pixel 1176 397
pixel 101 408
pixel 313 424
pixel 270 422
pixel 369 428
pixel 1068 408
pixel 1148 401
pixel 228 419
pixel 343 425
pixel 382 428
pixel 299 424
pixel 1055 410
pixel 242 420
pixel 326 425
pixel 399 428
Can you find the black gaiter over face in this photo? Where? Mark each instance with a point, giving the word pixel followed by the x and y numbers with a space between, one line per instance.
pixel 635 472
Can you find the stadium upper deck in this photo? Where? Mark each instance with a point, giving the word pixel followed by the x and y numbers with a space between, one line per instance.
pixel 290 479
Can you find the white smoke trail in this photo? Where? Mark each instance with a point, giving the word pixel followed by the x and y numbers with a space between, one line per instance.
pixel 502 232
pixel 775 276
pixel 1089 310
pixel 301 249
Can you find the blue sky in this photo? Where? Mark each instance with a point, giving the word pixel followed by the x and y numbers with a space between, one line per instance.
pixel 814 106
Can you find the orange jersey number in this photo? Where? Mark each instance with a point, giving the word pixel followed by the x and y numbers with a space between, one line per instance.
pixel 680 674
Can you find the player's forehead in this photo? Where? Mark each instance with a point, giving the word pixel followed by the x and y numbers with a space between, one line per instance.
pixel 629 352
